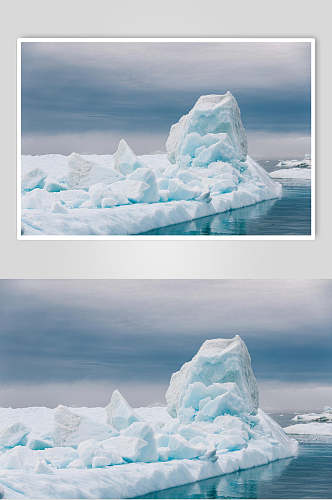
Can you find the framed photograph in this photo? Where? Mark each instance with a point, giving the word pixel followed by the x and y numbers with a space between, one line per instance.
pixel 174 389
pixel 166 138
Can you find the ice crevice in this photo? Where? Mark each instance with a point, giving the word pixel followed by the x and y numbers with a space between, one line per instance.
pixel 211 425
pixel 205 171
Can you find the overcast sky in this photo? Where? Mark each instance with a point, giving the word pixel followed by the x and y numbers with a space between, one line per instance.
pixel 84 97
pixel 74 341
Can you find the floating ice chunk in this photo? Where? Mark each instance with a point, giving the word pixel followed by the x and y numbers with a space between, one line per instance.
pixel 42 467
pixel 84 173
pixel 223 361
pixel 292 173
pixel 147 176
pixel 305 163
pixel 325 416
pixel 71 429
pixel 34 179
pixel 125 160
pixel 119 413
pixel 313 429
pixel 15 434
pixel 2 492
pixel 211 114
pixel 144 431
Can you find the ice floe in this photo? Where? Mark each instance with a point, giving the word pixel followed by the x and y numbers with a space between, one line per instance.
pixel 212 425
pixel 293 169
pixel 206 170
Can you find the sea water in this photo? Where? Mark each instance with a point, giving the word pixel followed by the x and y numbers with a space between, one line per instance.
pixel 289 215
pixel 306 476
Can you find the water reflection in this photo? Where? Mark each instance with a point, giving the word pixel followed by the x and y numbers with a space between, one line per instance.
pixel 243 484
pixel 289 215
pixel 233 222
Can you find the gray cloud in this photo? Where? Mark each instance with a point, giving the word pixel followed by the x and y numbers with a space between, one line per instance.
pixel 129 332
pixel 138 89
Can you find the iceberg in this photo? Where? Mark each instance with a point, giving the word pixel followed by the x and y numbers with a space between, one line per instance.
pixel 305 163
pixel 206 170
pixel 211 426
pixel 312 425
pixel 293 169
pixel 324 416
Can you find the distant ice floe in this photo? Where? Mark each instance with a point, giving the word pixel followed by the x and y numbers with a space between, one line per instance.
pixel 314 425
pixel 212 425
pixel 293 169
pixel 206 171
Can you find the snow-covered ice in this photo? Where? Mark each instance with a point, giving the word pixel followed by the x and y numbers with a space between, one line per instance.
pixel 324 416
pixel 312 429
pixel 206 171
pixel 305 163
pixel 293 169
pixel 212 425
pixel 292 173
pixel 312 424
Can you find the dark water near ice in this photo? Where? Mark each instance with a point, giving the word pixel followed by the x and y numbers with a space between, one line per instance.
pixel 289 215
pixel 309 475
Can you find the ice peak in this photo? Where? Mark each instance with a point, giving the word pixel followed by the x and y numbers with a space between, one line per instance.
pixel 119 412
pixel 125 160
pixel 211 131
pixel 218 380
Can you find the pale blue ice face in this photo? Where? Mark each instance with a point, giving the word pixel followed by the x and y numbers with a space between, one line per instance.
pixel 85 97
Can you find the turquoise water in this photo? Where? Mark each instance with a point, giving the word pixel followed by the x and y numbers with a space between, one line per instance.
pixel 289 215
pixel 309 475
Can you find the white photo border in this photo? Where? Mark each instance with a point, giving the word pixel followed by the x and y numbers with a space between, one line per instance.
pixel 133 237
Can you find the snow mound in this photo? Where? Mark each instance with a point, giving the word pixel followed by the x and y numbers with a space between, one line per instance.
pixel 217 381
pixel 212 426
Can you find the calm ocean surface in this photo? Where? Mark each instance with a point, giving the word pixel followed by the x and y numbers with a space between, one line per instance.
pixel 309 475
pixel 289 215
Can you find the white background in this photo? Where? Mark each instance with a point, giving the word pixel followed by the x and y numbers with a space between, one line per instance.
pixel 165 259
